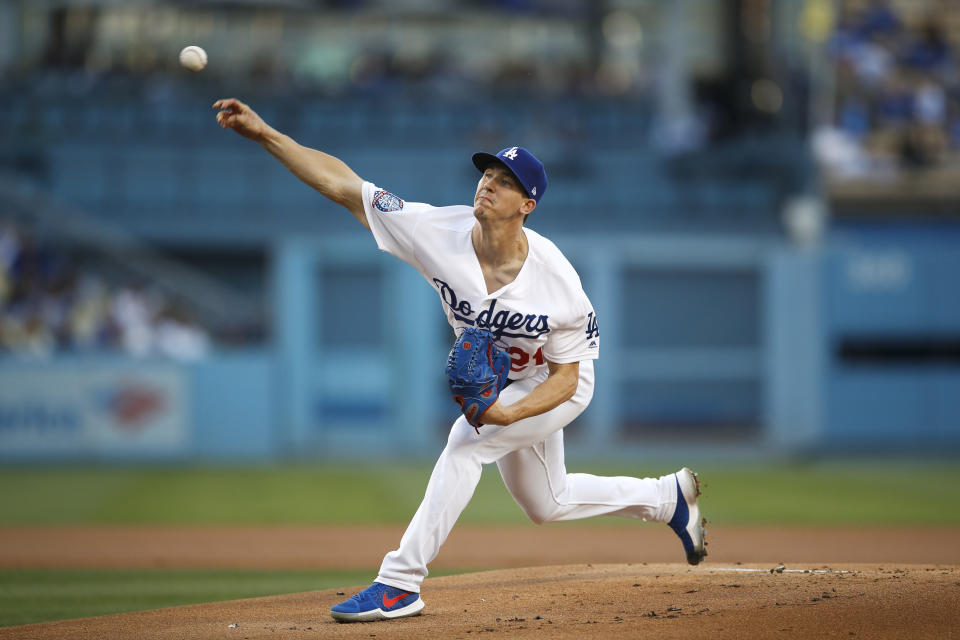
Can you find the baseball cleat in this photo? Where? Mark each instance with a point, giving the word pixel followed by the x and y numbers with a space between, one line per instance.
pixel 686 521
pixel 378 602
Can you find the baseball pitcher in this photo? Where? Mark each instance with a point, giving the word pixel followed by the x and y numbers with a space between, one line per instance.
pixel 521 367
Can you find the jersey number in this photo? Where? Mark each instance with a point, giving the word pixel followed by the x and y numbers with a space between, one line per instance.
pixel 519 358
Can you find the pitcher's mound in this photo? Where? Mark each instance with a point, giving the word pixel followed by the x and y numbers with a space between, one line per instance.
pixel 660 601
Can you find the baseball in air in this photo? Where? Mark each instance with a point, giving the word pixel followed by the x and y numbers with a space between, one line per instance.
pixel 193 58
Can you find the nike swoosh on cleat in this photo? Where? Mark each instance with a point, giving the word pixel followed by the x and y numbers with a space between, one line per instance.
pixel 389 602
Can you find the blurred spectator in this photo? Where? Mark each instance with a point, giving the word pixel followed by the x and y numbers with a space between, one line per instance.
pixel 929 49
pixel 134 309
pixel 896 93
pixel 91 325
pixel 179 336
pixel 48 305
pixel 879 18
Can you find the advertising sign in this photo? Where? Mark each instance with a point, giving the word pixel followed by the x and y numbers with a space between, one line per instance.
pixel 101 409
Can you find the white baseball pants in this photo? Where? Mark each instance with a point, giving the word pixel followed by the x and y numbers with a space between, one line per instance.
pixel 529 454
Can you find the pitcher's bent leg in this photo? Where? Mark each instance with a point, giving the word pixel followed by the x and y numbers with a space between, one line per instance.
pixel 457 472
pixel 538 480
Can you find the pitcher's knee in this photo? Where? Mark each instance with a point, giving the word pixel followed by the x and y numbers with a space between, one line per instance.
pixel 541 513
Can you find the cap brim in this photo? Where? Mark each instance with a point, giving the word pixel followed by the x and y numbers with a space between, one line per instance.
pixel 482 160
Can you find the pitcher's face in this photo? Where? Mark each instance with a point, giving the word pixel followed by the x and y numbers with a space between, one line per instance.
pixel 500 195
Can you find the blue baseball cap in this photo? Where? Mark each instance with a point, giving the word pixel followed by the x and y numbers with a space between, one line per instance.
pixel 524 166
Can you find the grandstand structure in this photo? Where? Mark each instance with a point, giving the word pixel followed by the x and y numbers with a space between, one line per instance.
pixel 749 293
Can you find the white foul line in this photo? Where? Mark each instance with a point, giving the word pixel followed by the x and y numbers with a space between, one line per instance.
pixel 779 570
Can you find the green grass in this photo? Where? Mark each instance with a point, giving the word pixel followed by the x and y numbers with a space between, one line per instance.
pixel 28 596
pixel 859 493
pixel 862 493
pixel 229 496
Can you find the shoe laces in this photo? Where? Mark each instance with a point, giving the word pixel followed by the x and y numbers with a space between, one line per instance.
pixel 375 589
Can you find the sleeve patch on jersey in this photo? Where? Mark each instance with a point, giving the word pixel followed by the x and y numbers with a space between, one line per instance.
pixel 386 201
pixel 593 328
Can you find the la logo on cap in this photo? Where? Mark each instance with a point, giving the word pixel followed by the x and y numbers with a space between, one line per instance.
pixel 510 153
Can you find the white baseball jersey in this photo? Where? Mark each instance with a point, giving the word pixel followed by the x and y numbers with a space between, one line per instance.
pixel 542 315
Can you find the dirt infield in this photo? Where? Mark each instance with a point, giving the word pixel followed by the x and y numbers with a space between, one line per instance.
pixel 467 548
pixel 836 583
pixel 664 601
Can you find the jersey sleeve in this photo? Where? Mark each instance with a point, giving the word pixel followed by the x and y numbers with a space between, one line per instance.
pixel 393 222
pixel 577 337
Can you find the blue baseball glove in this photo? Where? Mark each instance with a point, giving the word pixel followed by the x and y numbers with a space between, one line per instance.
pixel 477 371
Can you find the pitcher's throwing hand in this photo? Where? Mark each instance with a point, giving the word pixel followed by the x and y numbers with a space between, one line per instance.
pixel 235 115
